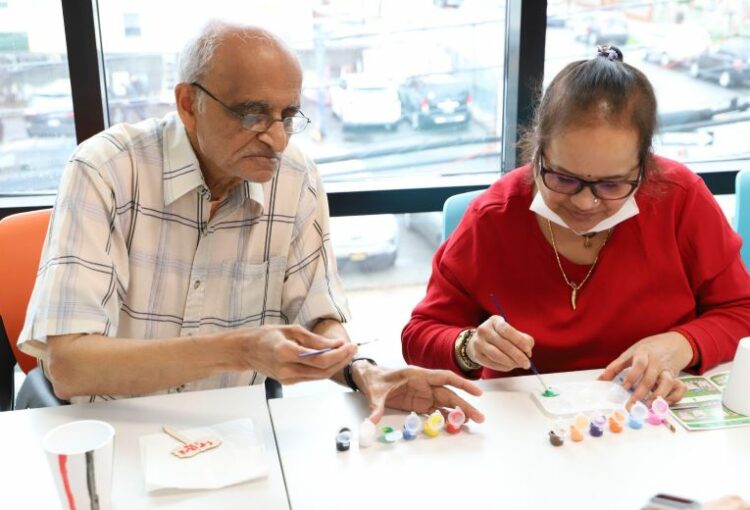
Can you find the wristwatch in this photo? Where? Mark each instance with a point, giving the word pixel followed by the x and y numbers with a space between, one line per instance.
pixel 465 363
pixel 348 372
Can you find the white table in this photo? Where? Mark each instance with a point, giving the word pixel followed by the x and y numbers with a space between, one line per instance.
pixel 25 472
pixel 507 462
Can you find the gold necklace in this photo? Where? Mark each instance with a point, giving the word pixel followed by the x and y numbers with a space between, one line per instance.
pixel 574 287
pixel 587 239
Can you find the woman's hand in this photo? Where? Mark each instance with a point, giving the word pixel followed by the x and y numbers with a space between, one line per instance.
pixel 413 389
pixel 655 363
pixel 500 346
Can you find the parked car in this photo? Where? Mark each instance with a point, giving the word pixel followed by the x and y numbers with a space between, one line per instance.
pixel 601 29
pixel 370 242
pixel 675 45
pixel 49 111
pixel 361 100
pixel 435 100
pixel 728 63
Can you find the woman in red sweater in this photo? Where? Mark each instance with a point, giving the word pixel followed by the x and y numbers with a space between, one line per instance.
pixel 600 253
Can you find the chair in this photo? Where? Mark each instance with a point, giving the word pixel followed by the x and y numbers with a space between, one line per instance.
pixel 26 232
pixel 454 208
pixel 22 237
pixel 742 212
pixel 7 366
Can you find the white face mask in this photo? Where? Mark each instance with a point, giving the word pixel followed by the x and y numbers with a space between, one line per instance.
pixel 628 210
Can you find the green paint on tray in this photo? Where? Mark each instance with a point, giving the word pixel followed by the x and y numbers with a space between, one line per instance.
pixel 549 392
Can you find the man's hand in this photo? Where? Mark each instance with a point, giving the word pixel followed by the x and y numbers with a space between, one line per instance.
pixel 727 503
pixel 275 351
pixel 500 346
pixel 413 389
pixel 655 362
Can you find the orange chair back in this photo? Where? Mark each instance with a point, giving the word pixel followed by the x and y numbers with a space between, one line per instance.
pixel 21 239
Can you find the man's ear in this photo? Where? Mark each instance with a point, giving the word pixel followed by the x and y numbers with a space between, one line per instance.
pixel 185 98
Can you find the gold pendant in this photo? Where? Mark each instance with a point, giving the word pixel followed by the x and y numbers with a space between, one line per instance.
pixel 573 294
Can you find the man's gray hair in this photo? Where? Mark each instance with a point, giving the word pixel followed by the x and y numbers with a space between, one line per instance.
pixel 196 56
pixel 197 53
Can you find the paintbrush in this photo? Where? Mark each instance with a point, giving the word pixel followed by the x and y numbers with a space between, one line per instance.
pixel 329 349
pixel 501 312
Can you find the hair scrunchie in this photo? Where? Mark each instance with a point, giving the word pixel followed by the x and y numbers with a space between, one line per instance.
pixel 611 53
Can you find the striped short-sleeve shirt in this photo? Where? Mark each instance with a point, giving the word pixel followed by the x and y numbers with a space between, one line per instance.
pixel 133 252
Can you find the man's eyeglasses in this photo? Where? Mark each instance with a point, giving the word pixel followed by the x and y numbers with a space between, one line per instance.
pixel 260 122
pixel 603 190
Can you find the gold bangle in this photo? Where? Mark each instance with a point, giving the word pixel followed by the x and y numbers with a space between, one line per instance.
pixel 465 363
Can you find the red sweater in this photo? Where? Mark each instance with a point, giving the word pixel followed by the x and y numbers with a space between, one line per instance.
pixel 674 266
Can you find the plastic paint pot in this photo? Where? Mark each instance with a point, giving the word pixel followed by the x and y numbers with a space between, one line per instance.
pixel 638 414
pixel 617 420
pixel 412 426
pixel 368 432
pixel 343 439
pixel 434 424
pixel 456 418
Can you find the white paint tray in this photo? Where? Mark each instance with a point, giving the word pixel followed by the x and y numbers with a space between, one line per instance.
pixel 582 397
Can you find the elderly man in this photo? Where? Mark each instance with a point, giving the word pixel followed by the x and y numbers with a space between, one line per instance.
pixel 181 250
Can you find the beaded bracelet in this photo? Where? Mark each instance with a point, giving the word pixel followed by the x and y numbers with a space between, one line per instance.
pixel 462 358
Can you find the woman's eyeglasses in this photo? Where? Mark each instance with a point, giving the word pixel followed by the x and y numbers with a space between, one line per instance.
pixel 603 189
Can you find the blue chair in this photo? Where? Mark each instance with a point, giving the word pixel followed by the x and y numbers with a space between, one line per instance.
pixel 454 208
pixel 742 212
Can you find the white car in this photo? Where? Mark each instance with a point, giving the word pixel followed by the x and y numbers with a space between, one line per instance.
pixel 361 101
pixel 370 242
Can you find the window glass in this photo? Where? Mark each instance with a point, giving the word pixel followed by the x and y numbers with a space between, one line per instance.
pixel 400 94
pixel 384 263
pixel 37 129
pixel 697 56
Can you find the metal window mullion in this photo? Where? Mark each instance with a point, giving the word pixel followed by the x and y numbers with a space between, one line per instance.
pixel 85 65
pixel 525 36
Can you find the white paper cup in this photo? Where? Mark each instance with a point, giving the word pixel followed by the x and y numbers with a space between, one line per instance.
pixel 737 390
pixel 80 457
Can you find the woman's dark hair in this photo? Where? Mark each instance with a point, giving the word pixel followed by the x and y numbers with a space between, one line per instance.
pixel 603 88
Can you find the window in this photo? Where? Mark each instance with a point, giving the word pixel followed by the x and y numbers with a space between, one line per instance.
pixel 132 25
pixel 37 128
pixel 696 55
pixel 401 94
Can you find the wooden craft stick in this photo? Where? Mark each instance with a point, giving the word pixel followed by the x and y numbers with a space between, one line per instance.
pixel 176 435
pixel 189 447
